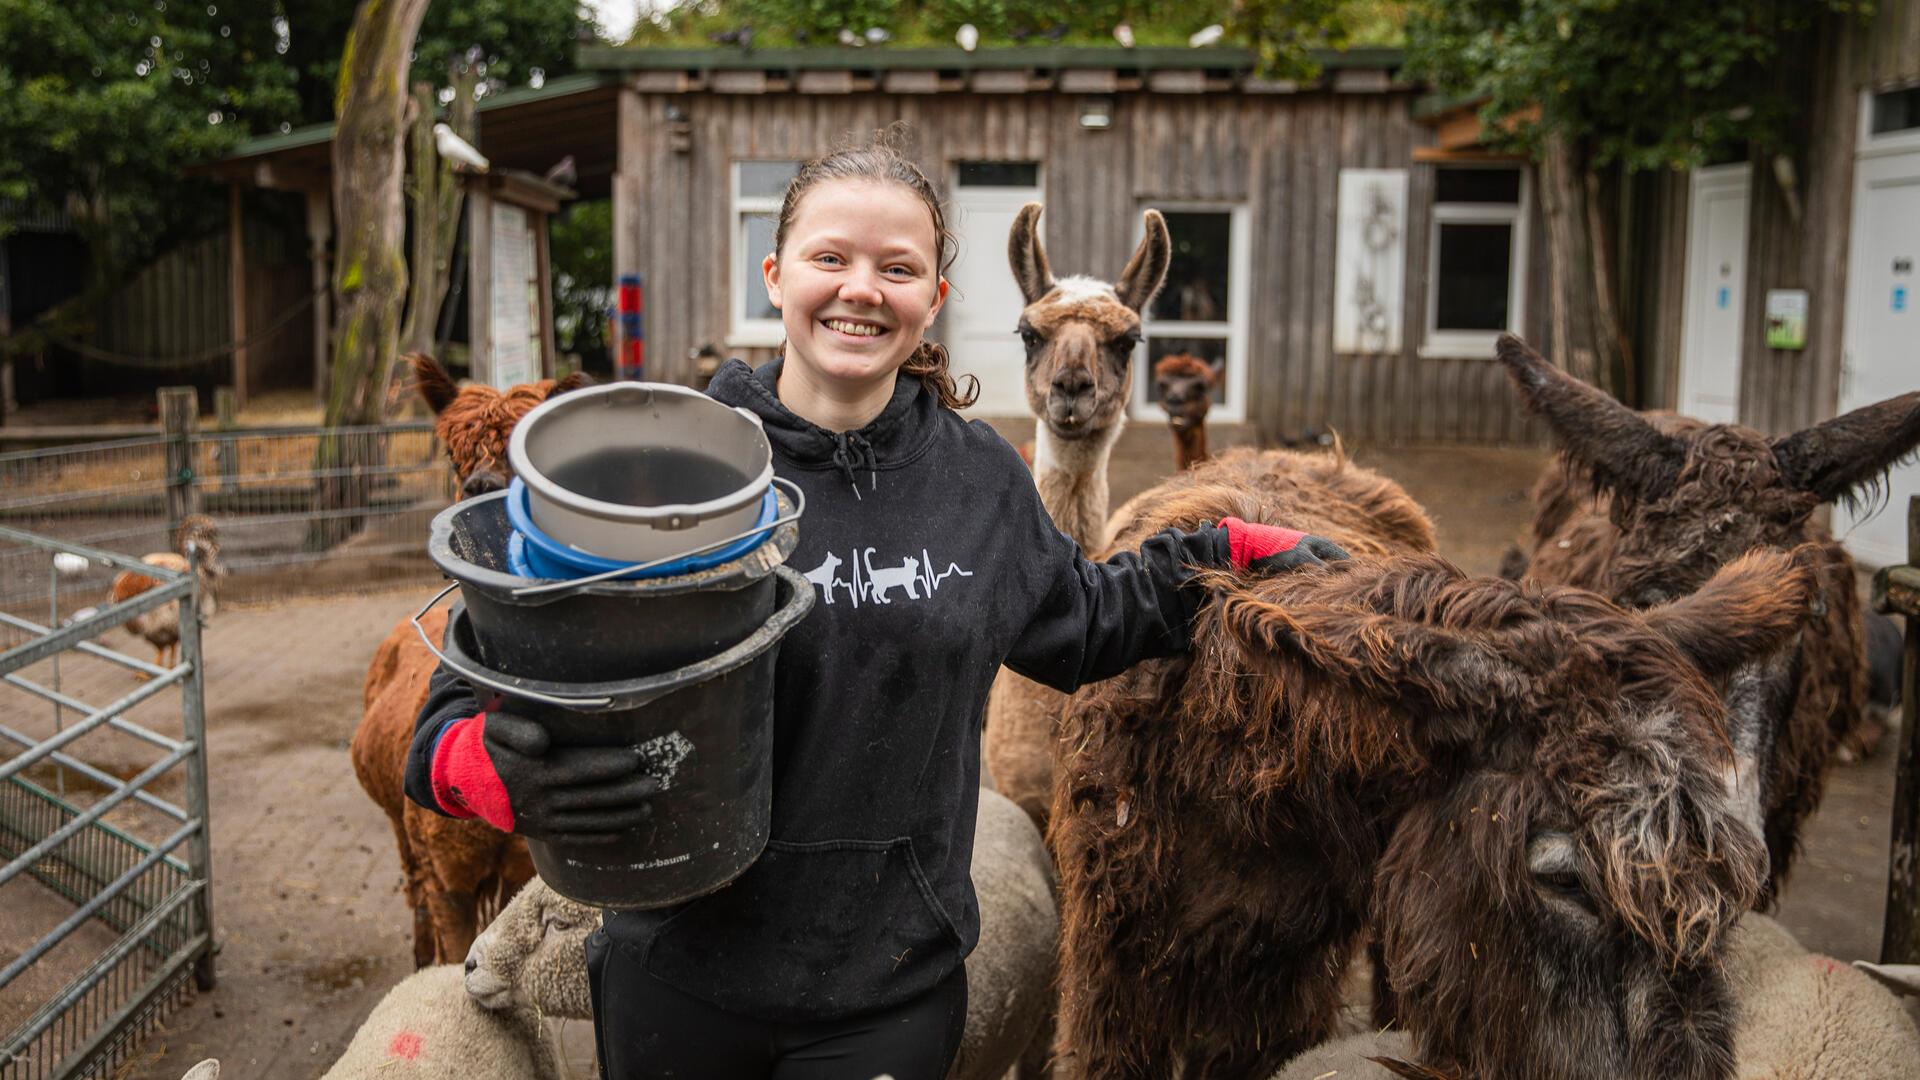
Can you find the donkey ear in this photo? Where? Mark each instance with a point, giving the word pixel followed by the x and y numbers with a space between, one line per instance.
pixel 1617 447
pixel 1147 270
pixel 1748 609
pixel 1839 458
pixel 1029 259
pixel 432 381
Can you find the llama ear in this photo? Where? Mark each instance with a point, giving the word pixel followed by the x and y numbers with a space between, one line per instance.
pixel 1029 259
pixel 1218 365
pixel 432 381
pixel 1849 456
pixel 1747 610
pixel 1614 444
pixel 1147 270
pixel 574 381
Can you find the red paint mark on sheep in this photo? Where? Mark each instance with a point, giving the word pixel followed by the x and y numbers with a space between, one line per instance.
pixel 406 1045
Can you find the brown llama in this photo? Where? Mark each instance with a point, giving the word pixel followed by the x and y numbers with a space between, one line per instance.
pixel 1533 797
pixel 458 872
pixel 1184 384
pixel 1642 508
pixel 1080 335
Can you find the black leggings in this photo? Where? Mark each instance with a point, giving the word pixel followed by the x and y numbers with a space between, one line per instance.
pixel 645 1029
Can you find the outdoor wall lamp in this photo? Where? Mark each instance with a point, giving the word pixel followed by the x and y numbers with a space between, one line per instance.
pixel 1096 113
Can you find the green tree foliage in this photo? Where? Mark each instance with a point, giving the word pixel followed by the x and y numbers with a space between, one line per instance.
pixel 515 40
pixel 104 103
pixel 581 244
pixel 1641 83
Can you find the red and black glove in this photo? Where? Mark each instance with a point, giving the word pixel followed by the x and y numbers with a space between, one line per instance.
pixel 1267 549
pixel 503 769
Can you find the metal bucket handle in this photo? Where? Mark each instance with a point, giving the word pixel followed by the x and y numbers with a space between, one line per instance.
pixel 569 584
pixel 640 691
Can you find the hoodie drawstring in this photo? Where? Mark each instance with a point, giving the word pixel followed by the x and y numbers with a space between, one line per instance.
pixel 851 450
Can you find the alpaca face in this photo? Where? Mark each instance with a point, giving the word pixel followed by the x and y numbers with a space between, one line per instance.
pixel 476 422
pixel 1080 333
pixel 1184 384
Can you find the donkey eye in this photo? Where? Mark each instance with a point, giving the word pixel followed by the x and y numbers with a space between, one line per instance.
pixel 1565 881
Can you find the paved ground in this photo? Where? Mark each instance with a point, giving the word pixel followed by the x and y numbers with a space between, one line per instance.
pixel 307 886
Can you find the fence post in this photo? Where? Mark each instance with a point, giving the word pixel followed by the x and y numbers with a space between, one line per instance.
pixel 1898 589
pixel 193 723
pixel 179 415
pixel 225 406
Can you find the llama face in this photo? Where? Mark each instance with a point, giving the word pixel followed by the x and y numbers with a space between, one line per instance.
pixel 475 422
pixel 1184 384
pixel 1686 496
pixel 1080 333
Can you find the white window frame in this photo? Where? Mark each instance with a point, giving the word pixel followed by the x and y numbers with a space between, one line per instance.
pixel 1235 329
pixel 743 332
pixel 1870 145
pixel 1478 344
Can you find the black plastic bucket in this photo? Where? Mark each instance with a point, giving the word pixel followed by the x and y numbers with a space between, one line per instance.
pixel 605 631
pixel 706 729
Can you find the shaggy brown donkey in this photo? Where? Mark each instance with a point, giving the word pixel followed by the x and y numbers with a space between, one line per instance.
pixel 1528 792
pixel 457 871
pixel 1646 507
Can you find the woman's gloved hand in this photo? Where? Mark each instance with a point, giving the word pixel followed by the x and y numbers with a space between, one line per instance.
pixel 504 769
pixel 1266 549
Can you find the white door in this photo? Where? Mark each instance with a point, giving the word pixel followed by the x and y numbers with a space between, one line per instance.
pixel 1716 274
pixel 979 323
pixel 1882 357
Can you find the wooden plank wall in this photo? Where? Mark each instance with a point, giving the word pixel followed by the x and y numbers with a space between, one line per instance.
pixel 1659 283
pixel 1281 154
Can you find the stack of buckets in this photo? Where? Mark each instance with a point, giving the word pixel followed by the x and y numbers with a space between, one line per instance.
pixel 630 589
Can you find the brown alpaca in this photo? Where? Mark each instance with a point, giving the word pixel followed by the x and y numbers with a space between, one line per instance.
pixel 458 872
pixel 1080 336
pixel 1529 793
pixel 1185 385
pixel 1644 508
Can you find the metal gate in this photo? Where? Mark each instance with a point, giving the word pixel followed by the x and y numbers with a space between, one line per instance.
pixel 106 879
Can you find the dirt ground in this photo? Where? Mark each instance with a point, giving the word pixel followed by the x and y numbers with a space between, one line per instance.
pixel 307 894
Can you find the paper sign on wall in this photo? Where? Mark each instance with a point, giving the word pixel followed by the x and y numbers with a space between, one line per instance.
pixel 1786 318
pixel 514 299
pixel 1370 261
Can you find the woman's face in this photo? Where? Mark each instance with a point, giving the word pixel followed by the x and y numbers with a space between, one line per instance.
pixel 858 280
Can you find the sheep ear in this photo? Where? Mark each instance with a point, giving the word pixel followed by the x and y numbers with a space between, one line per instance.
pixel 1848 456
pixel 1029 259
pixel 1147 270
pixel 206 1070
pixel 1747 610
pixel 1617 446
pixel 432 381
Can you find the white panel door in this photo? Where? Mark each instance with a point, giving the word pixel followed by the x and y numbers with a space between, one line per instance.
pixel 983 308
pixel 1716 274
pixel 1882 356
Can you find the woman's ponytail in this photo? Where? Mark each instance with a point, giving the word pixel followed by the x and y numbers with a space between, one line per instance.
pixel 931 363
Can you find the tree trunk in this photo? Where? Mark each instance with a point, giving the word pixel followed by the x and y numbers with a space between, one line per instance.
pixel 369 277
pixel 437 197
pixel 1585 332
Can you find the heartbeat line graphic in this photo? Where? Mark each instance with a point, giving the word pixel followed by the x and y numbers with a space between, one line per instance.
pixel 911 579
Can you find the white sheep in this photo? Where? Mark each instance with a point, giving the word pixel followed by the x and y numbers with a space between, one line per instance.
pixel 1803 1016
pixel 534 954
pixel 430 1027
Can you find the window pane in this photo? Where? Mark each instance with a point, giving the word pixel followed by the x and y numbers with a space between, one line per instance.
pixel 1477 186
pixel 1475 268
pixel 1196 289
pixel 756 241
pixel 1021 174
pixel 766 179
pixel 1212 350
pixel 1896 110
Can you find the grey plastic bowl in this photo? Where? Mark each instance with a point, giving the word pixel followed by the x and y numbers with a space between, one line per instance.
pixel 639 417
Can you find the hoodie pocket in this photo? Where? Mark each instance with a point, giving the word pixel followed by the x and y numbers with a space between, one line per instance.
pixel 813 930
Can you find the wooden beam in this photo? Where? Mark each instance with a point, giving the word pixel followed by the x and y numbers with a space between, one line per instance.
pixel 1435 155
pixel 543 266
pixel 237 287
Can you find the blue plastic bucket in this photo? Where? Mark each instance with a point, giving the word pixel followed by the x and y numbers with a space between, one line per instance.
pixel 532 553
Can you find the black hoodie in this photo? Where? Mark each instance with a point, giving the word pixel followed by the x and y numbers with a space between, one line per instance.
pixel 935 564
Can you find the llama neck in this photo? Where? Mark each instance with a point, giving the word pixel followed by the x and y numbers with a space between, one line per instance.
pixel 1072 477
pixel 1189 446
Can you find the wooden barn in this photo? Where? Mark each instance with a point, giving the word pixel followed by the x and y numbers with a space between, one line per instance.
pixel 1308 221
